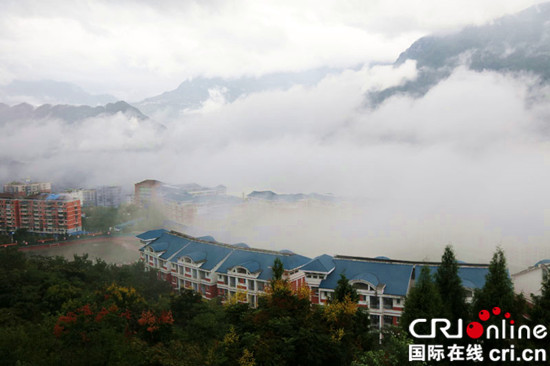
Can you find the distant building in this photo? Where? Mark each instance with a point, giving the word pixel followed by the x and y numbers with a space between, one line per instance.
pixel 109 196
pixel 224 270
pixel 41 213
pixel 147 192
pixel 529 281
pixel 180 203
pixel 28 188
pixel 87 197
pixel 128 199
pixel 290 200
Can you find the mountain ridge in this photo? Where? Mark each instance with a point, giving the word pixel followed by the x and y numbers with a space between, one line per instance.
pixel 514 43
pixel 67 113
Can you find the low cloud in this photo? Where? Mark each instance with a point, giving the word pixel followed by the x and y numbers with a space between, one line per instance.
pixel 466 165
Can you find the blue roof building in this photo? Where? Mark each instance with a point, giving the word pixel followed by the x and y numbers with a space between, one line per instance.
pixel 217 269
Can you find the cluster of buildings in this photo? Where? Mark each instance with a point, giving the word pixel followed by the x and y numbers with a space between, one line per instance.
pixel 32 206
pixel 105 196
pixel 224 270
pixel 27 188
pixel 181 203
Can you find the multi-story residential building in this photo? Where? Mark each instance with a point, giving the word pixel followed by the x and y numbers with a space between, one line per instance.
pixel 9 212
pixel 381 283
pixel 109 196
pixel 41 213
pixel 529 281
pixel 212 268
pixel 87 197
pixel 28 188
pixel 216 269
pixel 147 192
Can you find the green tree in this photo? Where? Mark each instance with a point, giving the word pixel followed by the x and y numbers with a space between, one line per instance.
pixel 343 289
pixel 498 290
pixel 539 313
pixel 277 269
pixel 450 287
pixel 99 218
pixel 393 350
pixel 423 301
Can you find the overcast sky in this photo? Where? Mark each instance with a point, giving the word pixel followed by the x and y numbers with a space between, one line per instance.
pixel 136 49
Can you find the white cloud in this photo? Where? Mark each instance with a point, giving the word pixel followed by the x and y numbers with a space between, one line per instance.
pixel 466 164
pixel 138 49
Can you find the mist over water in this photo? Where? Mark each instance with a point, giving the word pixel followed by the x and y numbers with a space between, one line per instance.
pixel 467 164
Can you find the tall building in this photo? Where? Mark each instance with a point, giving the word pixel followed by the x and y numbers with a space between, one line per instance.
pixel 147 192
pixel 40 213
pixel 87 197
pixel 109 196
pixel 25 189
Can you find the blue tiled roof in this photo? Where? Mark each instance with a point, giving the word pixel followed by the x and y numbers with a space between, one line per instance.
pixel 211 254
pixel 544 261
pixel 294 261
pixel 368 277
pixel 241 245
pixel 197 256
pixel 395 276
pixel 252 266
pixel 207 238
pixel 151 234
pixel 169 244
pixel 260 262
pixel 322 263
pixel 471 277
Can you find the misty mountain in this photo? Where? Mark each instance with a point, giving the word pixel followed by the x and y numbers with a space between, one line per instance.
pixel 517 43
pixel 50 92
pixel 68 113
pixel 191 94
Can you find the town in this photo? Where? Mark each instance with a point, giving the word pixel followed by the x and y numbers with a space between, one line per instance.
pixel 215 269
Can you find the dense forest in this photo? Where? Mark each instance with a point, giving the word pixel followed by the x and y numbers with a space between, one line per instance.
pixel 84 312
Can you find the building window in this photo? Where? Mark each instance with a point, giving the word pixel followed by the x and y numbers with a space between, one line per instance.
pixel 375 321
pixel 374 302
pixel 388 320
pixel 261 286
pixel 232 281
pixel 251 285
pixel 388 302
